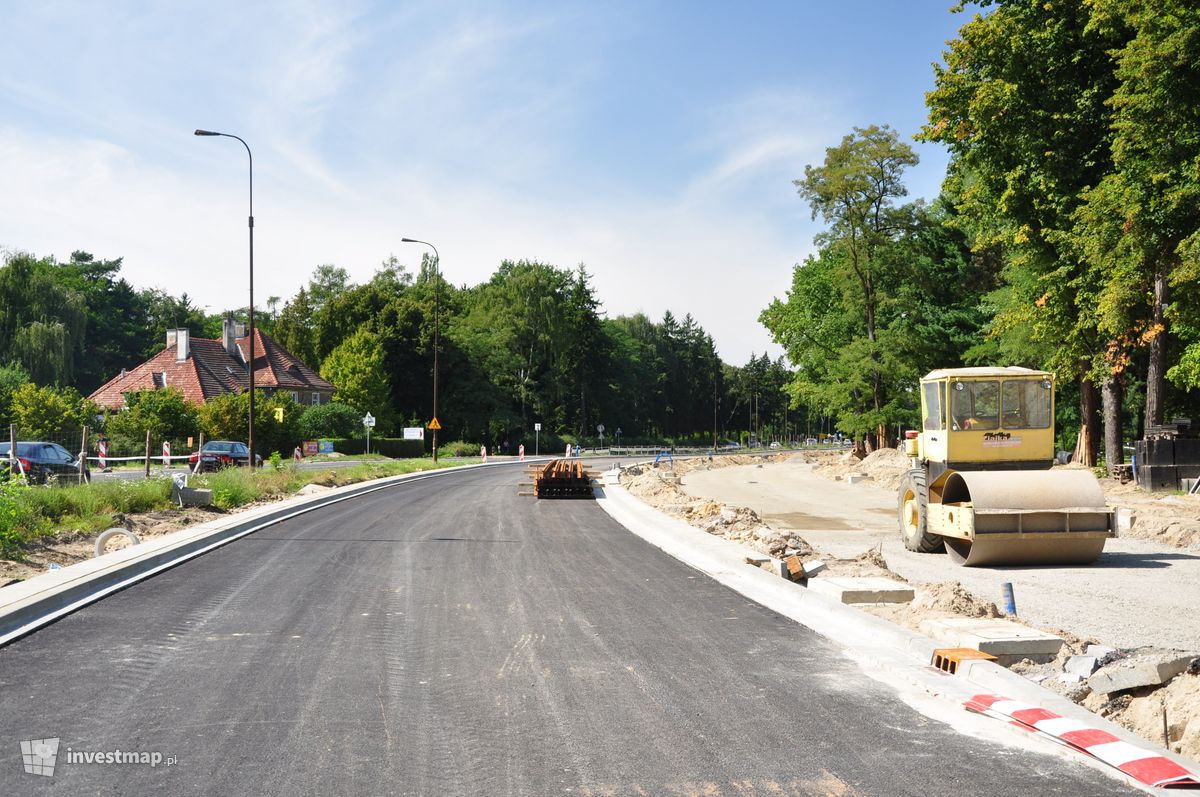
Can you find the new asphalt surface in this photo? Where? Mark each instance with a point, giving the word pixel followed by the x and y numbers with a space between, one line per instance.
pixel 448 637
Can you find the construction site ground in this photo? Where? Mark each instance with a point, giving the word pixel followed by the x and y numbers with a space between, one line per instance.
pixel 1140 595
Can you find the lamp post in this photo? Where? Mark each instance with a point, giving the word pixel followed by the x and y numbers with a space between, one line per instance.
pixel 437 289
pixel 250 426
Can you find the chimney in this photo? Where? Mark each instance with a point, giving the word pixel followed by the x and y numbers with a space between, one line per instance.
pixel 171 337
pixel 228 336
pixel 182 347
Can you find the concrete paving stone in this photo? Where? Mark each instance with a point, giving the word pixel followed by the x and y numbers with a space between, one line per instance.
pixel 1099 651
pixel 1082 666
pixel 855 478
pixel 1009 642
pixel 813 567
pixel 1148 669
pixel 846 589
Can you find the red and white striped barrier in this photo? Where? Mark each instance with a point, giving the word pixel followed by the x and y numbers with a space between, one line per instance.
pixel 521 452
pixel 102 454
pixel 483 452
pixel 166 454
pixel 1140 763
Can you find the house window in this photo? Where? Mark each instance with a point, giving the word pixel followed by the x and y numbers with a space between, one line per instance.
pixel 295 396
pixel 160 380
pixel 316 399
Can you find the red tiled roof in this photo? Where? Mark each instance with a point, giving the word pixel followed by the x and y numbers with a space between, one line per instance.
pixel 209 370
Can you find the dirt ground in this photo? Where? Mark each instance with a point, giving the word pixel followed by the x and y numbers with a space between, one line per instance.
pixel 69 548
pixel 784 524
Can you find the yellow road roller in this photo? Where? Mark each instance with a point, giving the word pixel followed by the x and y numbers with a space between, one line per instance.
pixel 981 483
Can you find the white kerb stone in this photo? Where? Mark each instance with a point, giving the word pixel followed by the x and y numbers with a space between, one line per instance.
pixel 846 589
pixel 1009 642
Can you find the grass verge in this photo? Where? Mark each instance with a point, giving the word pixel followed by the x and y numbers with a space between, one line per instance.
pixel 31 515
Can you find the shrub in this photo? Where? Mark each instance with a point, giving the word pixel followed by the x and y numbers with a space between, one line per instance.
pixel 457 448
pixel 395 447
pixel 330 420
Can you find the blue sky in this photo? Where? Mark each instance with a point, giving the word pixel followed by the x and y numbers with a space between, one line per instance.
pixel 654 142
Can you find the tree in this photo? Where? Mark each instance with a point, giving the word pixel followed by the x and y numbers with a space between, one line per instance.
pixel 1143 215
pixel 226 417
pixel 166 414
pixel 47 413
pixel 356 368
pixel 1022 105
pixel 855 193
pixel 330 420
pixel 11 378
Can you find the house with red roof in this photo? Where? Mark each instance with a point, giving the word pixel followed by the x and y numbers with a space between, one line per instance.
pixel 201 368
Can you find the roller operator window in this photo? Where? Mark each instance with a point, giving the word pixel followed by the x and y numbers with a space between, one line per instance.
pixel 1027 404
pixel 935 415
pixel 975 405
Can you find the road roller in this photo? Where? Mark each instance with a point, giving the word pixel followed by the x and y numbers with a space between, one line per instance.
pixel 981 484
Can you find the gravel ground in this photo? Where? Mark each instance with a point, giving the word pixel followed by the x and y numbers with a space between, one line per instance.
pixel 1138 593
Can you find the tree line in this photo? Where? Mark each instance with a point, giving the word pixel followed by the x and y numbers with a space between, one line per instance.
pixel 1067 234
pixel 531 344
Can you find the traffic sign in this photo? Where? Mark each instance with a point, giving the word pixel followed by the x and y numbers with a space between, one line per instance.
pixel 368 420
pixel 537 427
pixel 434 425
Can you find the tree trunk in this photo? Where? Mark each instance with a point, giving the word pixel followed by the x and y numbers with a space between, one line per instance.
pixel 1089 430
pixel 1157 370
pixel 1111 396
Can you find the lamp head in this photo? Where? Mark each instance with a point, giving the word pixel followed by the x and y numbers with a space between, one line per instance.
pixel 206 133
pixel 408 241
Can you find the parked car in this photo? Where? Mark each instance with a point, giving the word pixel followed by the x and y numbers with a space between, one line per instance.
pixel 39 460
pixel 218 454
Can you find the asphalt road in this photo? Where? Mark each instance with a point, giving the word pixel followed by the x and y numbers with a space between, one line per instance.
pixel 449 637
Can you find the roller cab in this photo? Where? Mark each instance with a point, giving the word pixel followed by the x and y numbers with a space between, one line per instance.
pixel 981 486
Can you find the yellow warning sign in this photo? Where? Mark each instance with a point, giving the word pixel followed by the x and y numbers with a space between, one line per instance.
pixel 434 425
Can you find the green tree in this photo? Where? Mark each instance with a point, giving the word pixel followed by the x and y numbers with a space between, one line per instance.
pixel 166 414
pixel 855 192
pixel 11 378
pixel 47 413
pixel 330 420
pixel 356 368
pixel 1021 103
pixel 226 417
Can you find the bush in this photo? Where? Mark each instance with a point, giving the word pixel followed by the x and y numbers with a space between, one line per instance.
pixel 395 447
pixel 457 448
pixel 330 420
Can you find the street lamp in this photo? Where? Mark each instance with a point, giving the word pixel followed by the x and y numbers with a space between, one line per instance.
pixel 437 259
pixel 250 426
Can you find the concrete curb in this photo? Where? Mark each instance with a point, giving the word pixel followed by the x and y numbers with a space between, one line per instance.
pixel 867 638
pixel 38 601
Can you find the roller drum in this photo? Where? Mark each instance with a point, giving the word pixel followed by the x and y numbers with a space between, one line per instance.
pixel 1029 517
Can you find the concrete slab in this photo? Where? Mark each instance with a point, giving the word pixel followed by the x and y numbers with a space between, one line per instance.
pixel 1009 642
pixel 1140 670
pixel 845 589
pixel 1083 666
pixel 855 478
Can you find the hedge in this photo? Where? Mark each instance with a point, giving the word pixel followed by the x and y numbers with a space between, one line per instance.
pixel 395 447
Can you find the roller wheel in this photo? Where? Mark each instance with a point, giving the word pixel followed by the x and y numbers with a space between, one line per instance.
pixel 912 500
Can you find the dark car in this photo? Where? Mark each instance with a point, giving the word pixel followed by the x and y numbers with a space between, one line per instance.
pixel 39 461
pixel 218 454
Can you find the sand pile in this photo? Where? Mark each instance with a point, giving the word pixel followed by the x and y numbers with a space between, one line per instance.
pixel 660 487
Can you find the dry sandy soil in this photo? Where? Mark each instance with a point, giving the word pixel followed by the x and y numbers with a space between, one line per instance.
pixel 1137 595
pixel 71 547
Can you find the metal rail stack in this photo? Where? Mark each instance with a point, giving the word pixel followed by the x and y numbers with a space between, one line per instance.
pixel 562 478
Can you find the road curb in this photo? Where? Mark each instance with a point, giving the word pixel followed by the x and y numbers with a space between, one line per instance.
pixel 44 598
pixel 868 639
